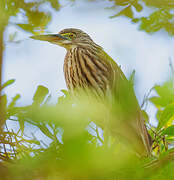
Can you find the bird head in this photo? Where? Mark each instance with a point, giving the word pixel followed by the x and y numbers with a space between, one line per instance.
pixel 67 38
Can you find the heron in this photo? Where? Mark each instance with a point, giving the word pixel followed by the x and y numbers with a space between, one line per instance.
pixel 88 66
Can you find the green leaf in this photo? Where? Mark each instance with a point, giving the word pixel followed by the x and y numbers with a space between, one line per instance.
pixel 166 115
pixel 122 2
pixel 161 18
pixel 137 6
pixel 165 94
pixel 8 83
pixel 160 3
pixel 65 92
pixel 26 27
pixel 40 94
pixel 125 12
pixel 157 101
pixel 55 4
pixel 135 20
pixel 166 90
pixel 132 78
pixel 158 115
pixel 169 131
pixel 38 19
pixel 14 100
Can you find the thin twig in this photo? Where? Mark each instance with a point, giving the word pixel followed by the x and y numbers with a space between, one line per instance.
pixel 10 140
pixel 98 135
pixel 171 65
pixel 145 99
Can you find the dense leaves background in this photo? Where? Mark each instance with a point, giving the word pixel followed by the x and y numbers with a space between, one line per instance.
pixel 73 146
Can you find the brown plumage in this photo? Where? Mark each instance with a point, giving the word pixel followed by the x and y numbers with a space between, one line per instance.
pixel 87 66
pixel 82 66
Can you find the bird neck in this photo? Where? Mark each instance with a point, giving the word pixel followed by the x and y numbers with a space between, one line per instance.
pixel 84 47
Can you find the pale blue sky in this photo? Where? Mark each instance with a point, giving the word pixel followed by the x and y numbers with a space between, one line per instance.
pixel 33 63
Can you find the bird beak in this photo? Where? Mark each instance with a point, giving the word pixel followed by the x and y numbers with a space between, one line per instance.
pixel 49 37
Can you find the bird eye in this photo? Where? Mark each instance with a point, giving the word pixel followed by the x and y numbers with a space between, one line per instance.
pixel 71 36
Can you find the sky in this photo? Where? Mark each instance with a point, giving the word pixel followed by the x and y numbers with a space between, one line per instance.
pixel 34 63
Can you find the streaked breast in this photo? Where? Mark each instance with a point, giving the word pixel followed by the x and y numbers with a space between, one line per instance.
pixel 84 69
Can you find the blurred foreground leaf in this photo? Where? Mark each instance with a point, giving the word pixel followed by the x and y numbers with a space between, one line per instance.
pixel 166 115
pixel 169 131
pixel 40 94
pixel 8 83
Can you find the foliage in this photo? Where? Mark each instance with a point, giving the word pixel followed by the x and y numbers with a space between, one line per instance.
pixel 77 147
pixel 74 143
pixel 34 20
pixel 151 15
pixel 35 17
pixel 163 134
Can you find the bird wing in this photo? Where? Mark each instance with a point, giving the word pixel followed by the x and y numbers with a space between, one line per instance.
pixel 123 96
